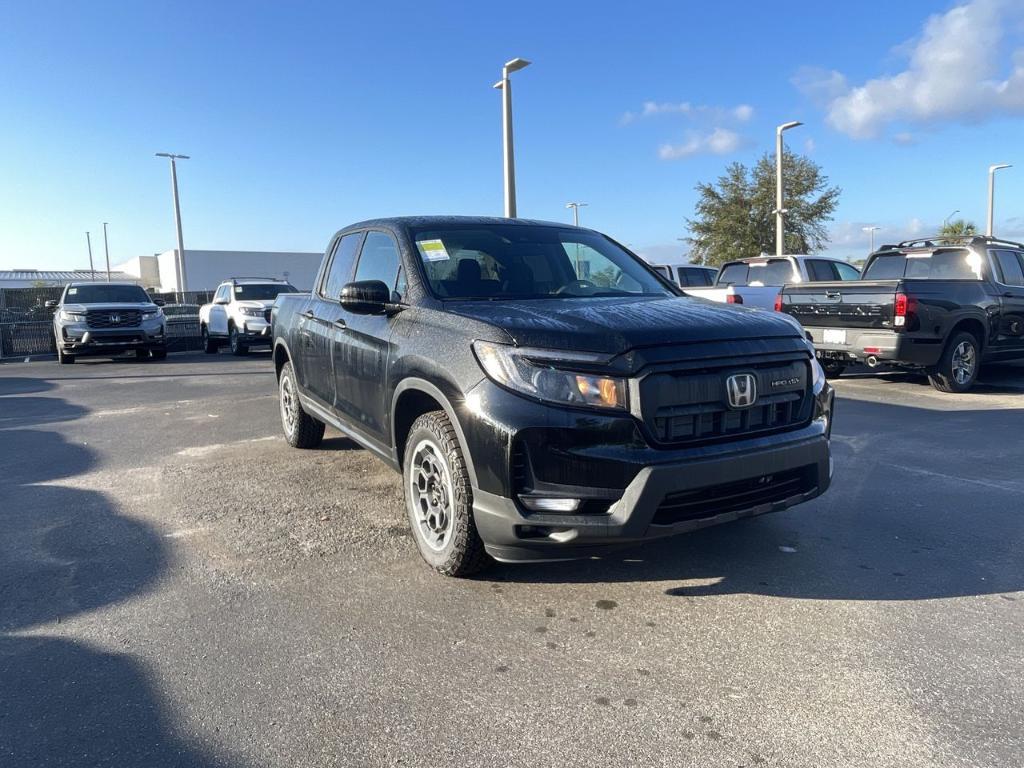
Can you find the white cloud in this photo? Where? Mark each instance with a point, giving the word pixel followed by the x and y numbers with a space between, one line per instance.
pixel 809 147
pixel 955 72
pixel 720 141
pixel 740 113
pixel 904 138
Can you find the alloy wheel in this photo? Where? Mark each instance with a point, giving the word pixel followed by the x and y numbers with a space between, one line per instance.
pixel 430 488
pixel 964 362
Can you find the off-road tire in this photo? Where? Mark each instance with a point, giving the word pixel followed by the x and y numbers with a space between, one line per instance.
pixel 463 553
pixel 302 430
pixel 63 358
pixel 210 346
pixel 238 348
pixel 944 376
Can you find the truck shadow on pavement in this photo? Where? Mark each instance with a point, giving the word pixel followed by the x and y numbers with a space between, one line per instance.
pixel 913 513
pixel 66 552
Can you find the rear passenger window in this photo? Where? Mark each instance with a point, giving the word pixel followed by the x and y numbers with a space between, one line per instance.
pixel 886 267
pixel 820 271
pixel 341 266
pixel 1011 265
pixel 847 271
pixel 379 259
pixel 733 274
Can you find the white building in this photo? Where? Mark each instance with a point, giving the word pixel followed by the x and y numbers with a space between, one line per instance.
pixel 205 270
pixel 37 278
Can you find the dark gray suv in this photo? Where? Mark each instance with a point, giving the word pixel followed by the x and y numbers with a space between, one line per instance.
pixel 106 319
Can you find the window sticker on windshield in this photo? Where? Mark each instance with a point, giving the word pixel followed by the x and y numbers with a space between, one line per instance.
pixel 238 289
pixel 432 250
pixel 72 291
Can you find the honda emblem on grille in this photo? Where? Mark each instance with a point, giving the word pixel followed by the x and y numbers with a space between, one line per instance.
pixel 115 318
pixel 742 390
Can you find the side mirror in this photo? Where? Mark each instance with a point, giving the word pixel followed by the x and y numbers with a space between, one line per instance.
pixel 366 297
pixel 51 304
pixel 160 302
pixel 220 301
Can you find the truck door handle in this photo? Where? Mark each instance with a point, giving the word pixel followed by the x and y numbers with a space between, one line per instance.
pixel 340 323
pixel 308 314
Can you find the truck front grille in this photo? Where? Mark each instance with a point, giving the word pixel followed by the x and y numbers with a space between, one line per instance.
pixel 113 318
pixel 692 407
pixel 698 503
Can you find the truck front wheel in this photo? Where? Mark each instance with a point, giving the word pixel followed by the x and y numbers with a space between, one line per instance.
pixel 439 498
pixel 300 429
pixel 958 368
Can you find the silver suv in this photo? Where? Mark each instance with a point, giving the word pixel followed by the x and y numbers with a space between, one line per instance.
pixel 240 313
pixel 107 319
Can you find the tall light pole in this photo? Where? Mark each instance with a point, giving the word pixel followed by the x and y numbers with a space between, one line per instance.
pixel 88 242
pixel 505 85
pixel 945 221
pixel 992 194
pixel 576 212
pixel 871 232
pixel 780 233
pixel 180 266
pixel 106 249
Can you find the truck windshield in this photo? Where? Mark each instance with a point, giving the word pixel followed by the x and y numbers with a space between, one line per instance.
pixel 514 261
pixel 261 291
pixel 952 264
pixel 103 293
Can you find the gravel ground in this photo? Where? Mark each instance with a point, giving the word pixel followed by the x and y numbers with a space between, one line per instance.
pixel 178 587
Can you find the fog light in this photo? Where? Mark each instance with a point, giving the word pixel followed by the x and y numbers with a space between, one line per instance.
pixel 549 504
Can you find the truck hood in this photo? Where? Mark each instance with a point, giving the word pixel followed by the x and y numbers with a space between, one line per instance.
pixel 256 303
pixel 618 324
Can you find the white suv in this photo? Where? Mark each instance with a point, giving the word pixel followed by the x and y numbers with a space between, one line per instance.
pixel 240 313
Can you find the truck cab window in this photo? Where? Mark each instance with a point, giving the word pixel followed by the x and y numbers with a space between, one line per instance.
pixel 379 259
pixel 341 266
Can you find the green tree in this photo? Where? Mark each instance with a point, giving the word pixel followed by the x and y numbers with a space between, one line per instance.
pixel 734 217
pixel 958 228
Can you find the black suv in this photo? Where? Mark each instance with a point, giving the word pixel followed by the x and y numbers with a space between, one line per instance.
pixel 544 392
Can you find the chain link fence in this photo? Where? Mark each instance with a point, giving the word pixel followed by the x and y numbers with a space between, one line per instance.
pixel 26 325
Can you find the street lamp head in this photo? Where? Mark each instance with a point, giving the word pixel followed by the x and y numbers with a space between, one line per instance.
pixel 787 126
pixel 515 65
pixel 172 156
pixel 576 205
pixel 994 168
pixel 500 84
pixel 870 229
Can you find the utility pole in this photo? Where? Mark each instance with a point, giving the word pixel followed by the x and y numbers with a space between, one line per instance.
pixel 780 233
pixel 508 153
pixel 992 194
pixel 871 231
pixel 88 242
pixel 106 249
pixel 576 212
pixel 181 276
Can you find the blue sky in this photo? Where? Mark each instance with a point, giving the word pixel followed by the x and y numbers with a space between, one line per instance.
pixel 304 117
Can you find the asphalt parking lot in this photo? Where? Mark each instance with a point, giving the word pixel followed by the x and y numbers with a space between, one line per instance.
pixel 180 588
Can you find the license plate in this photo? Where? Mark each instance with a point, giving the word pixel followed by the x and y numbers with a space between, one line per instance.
pixel 834 336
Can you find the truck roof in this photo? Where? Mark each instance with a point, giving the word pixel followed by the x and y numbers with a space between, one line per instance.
pixel 441 221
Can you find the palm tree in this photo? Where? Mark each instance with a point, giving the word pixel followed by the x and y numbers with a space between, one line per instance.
pixel 958 228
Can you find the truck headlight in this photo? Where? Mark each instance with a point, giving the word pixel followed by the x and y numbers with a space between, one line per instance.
pixel 152 314
pixel 72 317
pixel 532 372
pixel 251 311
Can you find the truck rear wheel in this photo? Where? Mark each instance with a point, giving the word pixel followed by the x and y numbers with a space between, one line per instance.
pixel 439 498
pixel 832 368
pixel 300 429
pixel 958 368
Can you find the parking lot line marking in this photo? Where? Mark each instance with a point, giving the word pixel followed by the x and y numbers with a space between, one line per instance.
pixel 1010 487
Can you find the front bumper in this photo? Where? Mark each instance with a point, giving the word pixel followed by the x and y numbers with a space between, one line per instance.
pixel 886 346
pixel 79 339
pixel 631 491
pixel 255 331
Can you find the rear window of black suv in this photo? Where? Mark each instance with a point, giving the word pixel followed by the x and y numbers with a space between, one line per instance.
pixel 952 264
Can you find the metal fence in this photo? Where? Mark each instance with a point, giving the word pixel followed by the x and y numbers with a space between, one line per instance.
pixel 26 325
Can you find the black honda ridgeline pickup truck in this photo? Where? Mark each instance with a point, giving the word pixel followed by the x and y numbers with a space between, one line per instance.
pixel 545 394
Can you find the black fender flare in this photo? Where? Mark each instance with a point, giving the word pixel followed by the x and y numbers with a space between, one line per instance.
pixel 427 388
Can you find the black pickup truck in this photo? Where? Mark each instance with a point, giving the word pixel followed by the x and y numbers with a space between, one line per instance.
pixel 939 305
pixel 544 392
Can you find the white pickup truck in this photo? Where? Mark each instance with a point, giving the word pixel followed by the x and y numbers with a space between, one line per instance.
pixel 239 314
pixel 757 282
